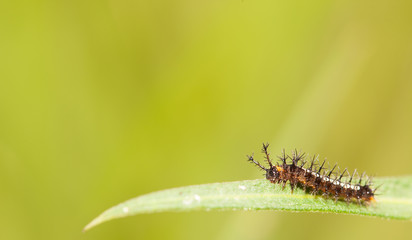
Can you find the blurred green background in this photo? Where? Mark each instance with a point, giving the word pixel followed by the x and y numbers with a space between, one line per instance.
pixel 101 101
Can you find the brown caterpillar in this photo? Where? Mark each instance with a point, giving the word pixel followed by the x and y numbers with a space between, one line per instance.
pixel 316 179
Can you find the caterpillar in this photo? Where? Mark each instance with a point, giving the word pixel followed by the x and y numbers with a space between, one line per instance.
pixel 316 180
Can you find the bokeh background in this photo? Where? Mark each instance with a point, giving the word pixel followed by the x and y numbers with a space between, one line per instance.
pixel 101 101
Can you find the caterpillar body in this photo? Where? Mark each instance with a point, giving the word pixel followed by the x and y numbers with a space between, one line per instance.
pixel 315 178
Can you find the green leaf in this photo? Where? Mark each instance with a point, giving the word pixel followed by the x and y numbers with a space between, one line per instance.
pixel 393 202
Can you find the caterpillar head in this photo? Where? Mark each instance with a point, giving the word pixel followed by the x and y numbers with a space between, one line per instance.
pixel 273 173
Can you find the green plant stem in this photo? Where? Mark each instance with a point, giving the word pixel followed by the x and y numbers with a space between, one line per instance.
pixel 393 202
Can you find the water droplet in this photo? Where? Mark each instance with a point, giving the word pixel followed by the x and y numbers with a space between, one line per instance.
pixel 242 187
pixel 125 209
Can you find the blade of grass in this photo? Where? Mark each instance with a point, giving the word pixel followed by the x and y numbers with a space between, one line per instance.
pixel 393 202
